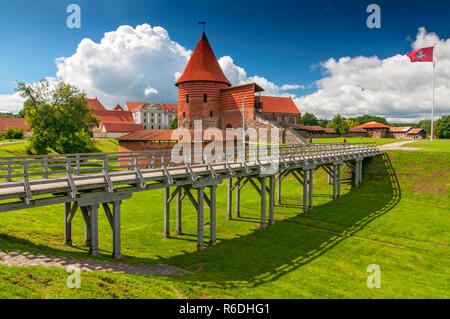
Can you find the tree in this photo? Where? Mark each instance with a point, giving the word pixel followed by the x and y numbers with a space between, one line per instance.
pixel 21 113
pixel 338 124
pixel 425 125
pixel 351 123
pixel 174 124
pixel 308 119
pixel 369 118
pixel 60 117
pixel 443 127
pixel 14 133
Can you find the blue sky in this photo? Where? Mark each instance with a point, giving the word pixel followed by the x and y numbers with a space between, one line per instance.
pixel 278 40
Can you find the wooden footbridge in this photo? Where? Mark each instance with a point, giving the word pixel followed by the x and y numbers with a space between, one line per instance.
pixel 88 181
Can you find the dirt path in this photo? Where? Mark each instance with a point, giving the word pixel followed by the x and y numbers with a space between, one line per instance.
pixel 26 259
pixel 398 146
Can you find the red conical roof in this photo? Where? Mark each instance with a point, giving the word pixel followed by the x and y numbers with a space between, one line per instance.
pixel 203 65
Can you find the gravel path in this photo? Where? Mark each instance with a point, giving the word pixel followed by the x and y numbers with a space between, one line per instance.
pixel 27 259
pixel 398 146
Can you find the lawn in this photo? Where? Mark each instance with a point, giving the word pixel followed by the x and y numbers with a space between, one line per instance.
pixel 397 219
pixel 379 141
pixel 103 145
pixel 432 146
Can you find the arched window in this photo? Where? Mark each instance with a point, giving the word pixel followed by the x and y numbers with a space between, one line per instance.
pixel 228 126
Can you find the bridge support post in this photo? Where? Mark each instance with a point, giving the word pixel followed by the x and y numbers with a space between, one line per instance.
pixel 116 230
pixel 179 203
pixel 271 199
pixel 93 218
pixel 310 188
pixel 338 184
pixel 237 204
pixel 87 226
pixel 166 212
pixel 263 202
pixel 279 188
pixel 200 196
pixel 328 179
pixel 69 213
pixel 212 216
pixel 305 190
pixel 229 199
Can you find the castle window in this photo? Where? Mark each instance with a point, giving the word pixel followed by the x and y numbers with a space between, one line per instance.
pixel 184 114
pixel 205 98
pixel 210 114
pixel 187 98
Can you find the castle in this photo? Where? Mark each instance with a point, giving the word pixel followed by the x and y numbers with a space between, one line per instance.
pixel 204 93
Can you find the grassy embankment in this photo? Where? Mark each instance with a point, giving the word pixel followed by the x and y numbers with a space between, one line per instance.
pixel 397 219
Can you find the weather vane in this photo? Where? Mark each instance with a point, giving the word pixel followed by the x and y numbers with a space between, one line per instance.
pixel 203 24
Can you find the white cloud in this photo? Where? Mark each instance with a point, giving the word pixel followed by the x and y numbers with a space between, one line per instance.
pixel 392 87
pixel 237 75
pixel 124 63
pixel 11 103
pixel 150 90
pixel 286 87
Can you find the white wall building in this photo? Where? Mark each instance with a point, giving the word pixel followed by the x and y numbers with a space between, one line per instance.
pixel 154 116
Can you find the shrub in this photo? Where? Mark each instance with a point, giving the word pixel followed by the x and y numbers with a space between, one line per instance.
pixel 14 133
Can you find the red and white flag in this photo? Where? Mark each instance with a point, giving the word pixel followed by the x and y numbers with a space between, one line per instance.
pixel 421 55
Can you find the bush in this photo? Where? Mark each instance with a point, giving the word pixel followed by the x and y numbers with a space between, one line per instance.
pixel 14 133
pixel 2 136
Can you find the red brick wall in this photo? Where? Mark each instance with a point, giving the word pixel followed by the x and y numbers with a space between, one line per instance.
pixel 231 105
pixel 197 109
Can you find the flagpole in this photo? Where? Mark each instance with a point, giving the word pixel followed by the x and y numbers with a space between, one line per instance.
pixel 432 106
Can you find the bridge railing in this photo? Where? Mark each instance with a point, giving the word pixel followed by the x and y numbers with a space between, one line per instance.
pixel 74 166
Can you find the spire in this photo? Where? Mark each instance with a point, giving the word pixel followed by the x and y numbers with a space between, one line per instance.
pixel 203 65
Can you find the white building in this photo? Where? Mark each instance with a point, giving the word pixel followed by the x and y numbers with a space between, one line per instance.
pixel 154 116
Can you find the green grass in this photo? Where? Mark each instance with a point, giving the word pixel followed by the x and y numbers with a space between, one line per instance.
pixel 397 219
pixel 432 146
pixel 379 141
pixel 103 145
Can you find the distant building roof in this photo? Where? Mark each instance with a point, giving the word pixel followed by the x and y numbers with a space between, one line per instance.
pixel 118 108
pixel 372 124
pixel 329 130
pixel 165 135
pixel 399 129
pixel 203 65
pixel 95 105
pixel 6 122
pixel 170 107
pixel 415 131
pixel 115 116
pixel 357 130
pixel 121 127
pixel 131 106
pixel 277 104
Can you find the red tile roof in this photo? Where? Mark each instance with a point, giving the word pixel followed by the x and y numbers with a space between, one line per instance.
pixel 95 105
pixel 131 106
pixel 118 108
pixel 357 130
pixel 329 130
pixel 276 104
pixel 372 124
pixel 114 116
pixel 415 130
pixel 399 129
pixel 170 107
pixel 163 135
pixel 6 122
pixel 203 65
pixel 121 127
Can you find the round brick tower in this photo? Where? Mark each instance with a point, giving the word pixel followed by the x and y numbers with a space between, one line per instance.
pixel 199 88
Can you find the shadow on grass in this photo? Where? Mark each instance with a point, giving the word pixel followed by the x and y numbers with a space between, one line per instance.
pixel 265 255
